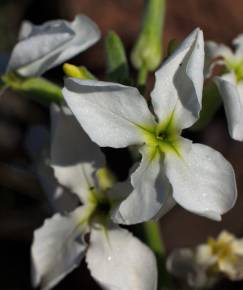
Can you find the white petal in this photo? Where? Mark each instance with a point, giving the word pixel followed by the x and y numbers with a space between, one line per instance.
pixel 203 181
pixel 86 34
pixel 59 197
pixel 110 113
pixel 178 85
pixel 237 246
pixel 45 46
pixel 168 203
pixel 204 256
pixel 182 264
pixel 74 156
pixel 213 53
pixel 214 50
pixel 37 144
pixel 238 43
pixel 118 260
pixel 25 30
pixel 150 193
pixel 33 55
pixel 232 95
pixel 57 249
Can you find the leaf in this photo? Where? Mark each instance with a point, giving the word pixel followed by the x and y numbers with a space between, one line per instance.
pixel 116 60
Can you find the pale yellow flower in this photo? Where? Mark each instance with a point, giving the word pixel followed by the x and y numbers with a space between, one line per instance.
pixel 207 263
pixel 223 254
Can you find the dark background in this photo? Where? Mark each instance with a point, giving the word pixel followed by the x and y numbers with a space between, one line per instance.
pixel 22 202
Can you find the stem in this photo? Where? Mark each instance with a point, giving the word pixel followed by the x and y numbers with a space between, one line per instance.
pixel 142 79
pixel 152 237
pixel 37 88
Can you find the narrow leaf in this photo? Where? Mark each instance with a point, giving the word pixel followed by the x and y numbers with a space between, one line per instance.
pixel 116 60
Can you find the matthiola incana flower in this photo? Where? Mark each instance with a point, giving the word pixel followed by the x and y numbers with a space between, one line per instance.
pixel 205 264
pixel 115 258
pixel 230 82
pixel 45 46
pixel 113 115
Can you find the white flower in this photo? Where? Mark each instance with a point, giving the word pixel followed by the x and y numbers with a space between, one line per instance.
pixel 198 177
pixel 42 47
pixel 230 83
pixel 223 254
pixel 183 264
pixel 115 258
pixel 204 265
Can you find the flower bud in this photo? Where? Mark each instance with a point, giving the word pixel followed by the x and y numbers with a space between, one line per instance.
pixel 80 72
pixel 147 52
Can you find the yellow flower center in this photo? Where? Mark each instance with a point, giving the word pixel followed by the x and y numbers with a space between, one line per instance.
pixel 222 249
pixel 162 138
pixel 99 203
pixel 236 66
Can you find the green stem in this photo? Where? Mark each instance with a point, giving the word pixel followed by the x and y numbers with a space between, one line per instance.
pixel 37 88
pixel 142 79
pixel 152 237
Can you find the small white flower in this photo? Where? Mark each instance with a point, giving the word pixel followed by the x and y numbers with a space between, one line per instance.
pixel 115 258
pixel 183 264
pixel 42 47
pixel 198 177
pixel 230 83
pixel 204 265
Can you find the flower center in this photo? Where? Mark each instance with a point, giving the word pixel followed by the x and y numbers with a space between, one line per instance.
pixel 237 67
pixel 163 138
pixel 223 250
pixel 101 206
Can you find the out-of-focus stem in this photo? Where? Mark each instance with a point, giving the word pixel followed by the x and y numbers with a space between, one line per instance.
pixel 152 237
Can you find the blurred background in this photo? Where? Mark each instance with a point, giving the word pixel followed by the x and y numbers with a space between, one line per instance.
pixel 22 202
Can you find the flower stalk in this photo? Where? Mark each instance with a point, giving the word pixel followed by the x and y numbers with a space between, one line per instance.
pixel 152 237
pixel 37 88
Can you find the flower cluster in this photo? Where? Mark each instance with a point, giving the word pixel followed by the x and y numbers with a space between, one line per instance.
pixel 89 203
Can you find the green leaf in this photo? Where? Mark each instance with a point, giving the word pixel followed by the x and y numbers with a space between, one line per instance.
pixel 116 60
